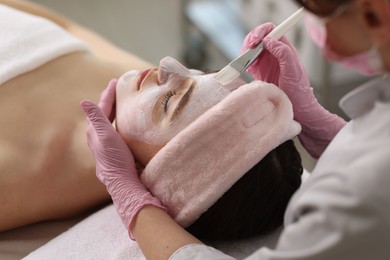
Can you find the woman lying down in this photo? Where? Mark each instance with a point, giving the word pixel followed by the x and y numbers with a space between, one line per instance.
pixel 143 100
pixel 47 171
pixel 217 162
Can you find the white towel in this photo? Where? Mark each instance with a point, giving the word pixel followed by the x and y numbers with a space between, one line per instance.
pixel 102 235
pixel 28 41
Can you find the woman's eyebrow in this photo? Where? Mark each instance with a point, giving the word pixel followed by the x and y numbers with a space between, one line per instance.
pixel 183 100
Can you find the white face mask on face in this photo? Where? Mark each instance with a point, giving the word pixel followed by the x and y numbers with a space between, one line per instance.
pixel 153 108
pixel 368 62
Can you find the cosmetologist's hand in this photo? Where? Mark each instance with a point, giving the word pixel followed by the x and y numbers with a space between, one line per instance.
pixel 115 165
pixel 279 64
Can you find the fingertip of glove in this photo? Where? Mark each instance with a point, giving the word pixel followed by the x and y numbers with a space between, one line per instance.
pixel 259 33
pixel 113 82
pixel 111 88
pixel 87 106
pixel 253 40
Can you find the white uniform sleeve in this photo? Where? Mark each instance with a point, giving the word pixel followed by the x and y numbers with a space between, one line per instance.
pixel 329 219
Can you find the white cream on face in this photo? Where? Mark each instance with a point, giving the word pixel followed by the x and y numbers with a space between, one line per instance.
pixel 142 114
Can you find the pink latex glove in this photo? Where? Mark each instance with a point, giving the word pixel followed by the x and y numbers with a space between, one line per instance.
pixel 115 165
pixel 279 64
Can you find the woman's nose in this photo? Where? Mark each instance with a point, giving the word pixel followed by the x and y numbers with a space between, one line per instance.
pixel 168 66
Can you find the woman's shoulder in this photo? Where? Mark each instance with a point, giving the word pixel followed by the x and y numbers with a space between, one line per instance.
pixel 101 47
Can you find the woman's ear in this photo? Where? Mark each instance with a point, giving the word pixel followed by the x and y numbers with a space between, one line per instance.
pixel 376 17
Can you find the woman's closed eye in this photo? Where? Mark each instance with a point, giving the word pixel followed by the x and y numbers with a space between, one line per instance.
pixel 165 100
pixel 171 101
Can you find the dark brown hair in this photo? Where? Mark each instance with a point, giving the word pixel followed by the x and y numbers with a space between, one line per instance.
pixel 255 204
pixel 322 7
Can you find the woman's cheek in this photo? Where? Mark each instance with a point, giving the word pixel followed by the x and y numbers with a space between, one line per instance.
pixel 128 123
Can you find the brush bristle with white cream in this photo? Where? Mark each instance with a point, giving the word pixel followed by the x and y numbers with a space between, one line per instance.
pixel 226 75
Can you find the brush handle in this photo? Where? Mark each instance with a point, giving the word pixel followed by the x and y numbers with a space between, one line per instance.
pixel 286 25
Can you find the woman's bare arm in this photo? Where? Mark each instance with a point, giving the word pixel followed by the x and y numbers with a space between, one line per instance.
pixel 158 235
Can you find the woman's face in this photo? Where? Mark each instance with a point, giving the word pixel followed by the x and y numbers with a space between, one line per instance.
pixel 362 25
pixel 347 33
pixel 154 105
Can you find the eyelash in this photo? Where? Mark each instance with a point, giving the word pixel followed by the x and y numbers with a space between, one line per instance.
pixel 164 101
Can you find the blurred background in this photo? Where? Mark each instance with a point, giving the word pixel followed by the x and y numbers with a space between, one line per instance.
pixel 203 34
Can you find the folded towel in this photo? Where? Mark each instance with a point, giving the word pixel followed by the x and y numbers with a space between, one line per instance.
pixel 203 161
pixel 29 41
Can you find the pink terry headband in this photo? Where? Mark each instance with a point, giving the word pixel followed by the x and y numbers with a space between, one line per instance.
pixel 204 160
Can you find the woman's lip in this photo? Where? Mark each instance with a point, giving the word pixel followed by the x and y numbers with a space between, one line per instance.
pixel 141 77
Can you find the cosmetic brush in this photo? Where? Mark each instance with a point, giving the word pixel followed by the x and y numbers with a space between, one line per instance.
pixel 237 68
